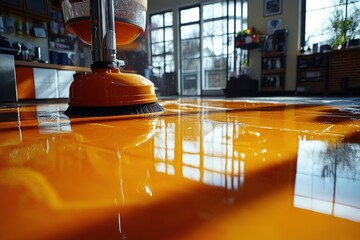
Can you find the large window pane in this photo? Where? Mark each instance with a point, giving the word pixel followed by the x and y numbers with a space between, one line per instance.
pixel 169 36
pixel 217 27
pixel 156 21
pixel 215 79
pixel 317 19
pixel 168 19
pixel 190 31
pixel 169 47
pixel 318 4
pixel 169 57
pixel 190 15
pixel 232 25
pixel 191 65
pixel 170 66
pixel 355 4
pixel 156 61
pixel 214 62
pixel 157 35
pixel 215 10
pixel 190 48
pixel 214 46
pixel 190 83
pixel 157 48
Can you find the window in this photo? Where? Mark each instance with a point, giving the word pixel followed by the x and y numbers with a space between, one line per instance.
pixel 317 27
pixel 162 42
pixel 190 50
pixel 215 45
pixel 204 50
pixel 207 34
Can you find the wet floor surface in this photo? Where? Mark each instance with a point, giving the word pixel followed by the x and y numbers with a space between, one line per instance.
pixel 261 168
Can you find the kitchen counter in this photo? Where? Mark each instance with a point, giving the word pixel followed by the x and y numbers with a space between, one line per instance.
pixel 19 63
pixel 254 168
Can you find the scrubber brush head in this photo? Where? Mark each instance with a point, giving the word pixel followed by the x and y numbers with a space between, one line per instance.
pixel 108 92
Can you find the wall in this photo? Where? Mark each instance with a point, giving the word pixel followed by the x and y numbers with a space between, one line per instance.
pixel 290 20
pixel 82 56
pixel 30 41
pixel 159 5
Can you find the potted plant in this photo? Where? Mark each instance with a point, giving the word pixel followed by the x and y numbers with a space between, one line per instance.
pixel 344 26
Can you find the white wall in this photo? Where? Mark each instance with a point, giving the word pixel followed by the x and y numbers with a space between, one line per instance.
pixel 290 17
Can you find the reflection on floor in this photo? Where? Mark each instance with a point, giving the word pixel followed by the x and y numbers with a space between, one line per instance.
pixel 278 168
pixel 328 179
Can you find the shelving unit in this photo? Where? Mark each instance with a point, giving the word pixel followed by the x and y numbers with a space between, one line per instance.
pixel 273 71
pixel 61 42
pixel 248 46
pixel 273 62
pixel 312 73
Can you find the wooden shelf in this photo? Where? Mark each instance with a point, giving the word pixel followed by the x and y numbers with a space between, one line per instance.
pixel 273 54
pixel 273 71
pixel 248 46
pixel 312 73
pixel 272 89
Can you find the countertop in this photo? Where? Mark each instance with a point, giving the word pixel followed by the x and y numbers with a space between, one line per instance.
pixel 50 66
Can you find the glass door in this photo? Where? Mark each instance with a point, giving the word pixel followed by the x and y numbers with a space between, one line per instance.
pixel 208 54
pixel 190 46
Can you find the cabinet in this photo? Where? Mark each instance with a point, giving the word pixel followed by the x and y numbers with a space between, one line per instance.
pixel 273 62
pixel 42 83
pixel 65 78
pixel 25 83
pixel 46 83
pixel 312 73
pixel 12 3
pixel 344 74
pixel 39 8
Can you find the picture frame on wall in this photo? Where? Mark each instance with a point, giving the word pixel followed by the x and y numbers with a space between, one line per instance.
pixel 272 7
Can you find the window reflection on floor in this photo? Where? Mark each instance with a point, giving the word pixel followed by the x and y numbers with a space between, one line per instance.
pixel 207 157
pixel 51 120
pixel 328 178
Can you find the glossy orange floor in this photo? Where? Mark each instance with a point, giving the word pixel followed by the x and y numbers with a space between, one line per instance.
pixel 284 168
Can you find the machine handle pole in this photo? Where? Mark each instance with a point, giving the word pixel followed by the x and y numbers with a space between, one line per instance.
pixel 103 31
pixel 96 29
pixel 109 40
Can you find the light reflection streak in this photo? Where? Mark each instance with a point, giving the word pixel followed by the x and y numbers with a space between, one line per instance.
pixel 148 190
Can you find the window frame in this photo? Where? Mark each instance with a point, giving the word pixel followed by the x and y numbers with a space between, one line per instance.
pixel 162 69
